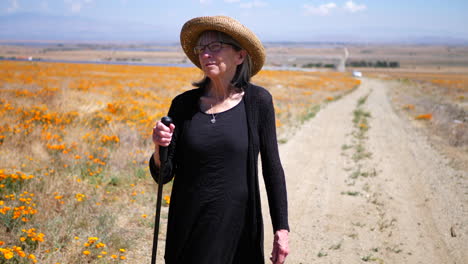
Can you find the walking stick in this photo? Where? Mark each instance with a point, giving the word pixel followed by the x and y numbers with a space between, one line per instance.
pixel 162 157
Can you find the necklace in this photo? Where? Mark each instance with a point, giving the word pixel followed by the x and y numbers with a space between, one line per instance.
pixel 213 119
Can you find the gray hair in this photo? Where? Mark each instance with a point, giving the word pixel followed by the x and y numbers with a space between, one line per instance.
pixel 243 71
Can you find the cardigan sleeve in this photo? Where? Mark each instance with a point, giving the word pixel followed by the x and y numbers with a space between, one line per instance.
pixel 273 172
pixel 169 167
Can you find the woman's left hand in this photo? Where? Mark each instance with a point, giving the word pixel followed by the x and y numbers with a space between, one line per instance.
pixel 280 247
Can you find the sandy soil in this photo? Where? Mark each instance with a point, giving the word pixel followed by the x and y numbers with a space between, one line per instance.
pixel 409 207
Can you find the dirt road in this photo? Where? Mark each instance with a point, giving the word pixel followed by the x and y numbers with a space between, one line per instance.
pixel 370 191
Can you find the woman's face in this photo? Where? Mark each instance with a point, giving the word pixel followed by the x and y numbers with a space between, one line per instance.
pixel 219 64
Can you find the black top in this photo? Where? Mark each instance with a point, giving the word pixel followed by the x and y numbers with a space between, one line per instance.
pixel 261 129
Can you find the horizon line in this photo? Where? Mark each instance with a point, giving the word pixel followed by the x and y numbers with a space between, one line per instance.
pixel 273 42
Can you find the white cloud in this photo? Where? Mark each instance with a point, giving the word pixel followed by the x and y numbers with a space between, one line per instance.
pixel 14 6
pixel 232 1
pixel 322 10
pixel 45 5
pixel 76 7
pixel 353 7
pixel 255 3
pixel 204 1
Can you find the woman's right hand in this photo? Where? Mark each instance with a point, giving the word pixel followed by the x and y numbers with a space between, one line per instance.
pixel 162 135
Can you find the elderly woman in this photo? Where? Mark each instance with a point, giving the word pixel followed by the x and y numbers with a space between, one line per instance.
pixel 219 129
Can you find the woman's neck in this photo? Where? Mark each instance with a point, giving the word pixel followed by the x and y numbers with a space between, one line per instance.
pixel 219 90
pixel 219 98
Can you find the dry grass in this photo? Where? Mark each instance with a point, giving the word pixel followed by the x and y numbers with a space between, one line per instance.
pixel 437 103
pixel 74 145
pixel 453 87
pixel 440 99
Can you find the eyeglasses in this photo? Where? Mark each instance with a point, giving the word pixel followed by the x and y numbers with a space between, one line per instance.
pixel 213 47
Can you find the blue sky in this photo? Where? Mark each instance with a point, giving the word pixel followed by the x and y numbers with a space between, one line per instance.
pixel 272 20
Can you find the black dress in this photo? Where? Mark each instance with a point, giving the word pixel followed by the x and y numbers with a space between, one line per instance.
pixel 212 191
pixel 261 130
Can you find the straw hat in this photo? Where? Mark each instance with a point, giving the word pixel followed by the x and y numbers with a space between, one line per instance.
pixel 193 28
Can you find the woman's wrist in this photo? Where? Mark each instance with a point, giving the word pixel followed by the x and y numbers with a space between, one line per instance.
pixel 283 231
pixel 156 159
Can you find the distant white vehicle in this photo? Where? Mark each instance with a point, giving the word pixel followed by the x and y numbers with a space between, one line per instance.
pixel 357 74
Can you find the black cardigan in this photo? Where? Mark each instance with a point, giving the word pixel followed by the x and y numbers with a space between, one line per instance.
pixel 262 139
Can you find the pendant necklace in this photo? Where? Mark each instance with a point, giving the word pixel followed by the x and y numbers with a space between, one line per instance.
pixel 213 119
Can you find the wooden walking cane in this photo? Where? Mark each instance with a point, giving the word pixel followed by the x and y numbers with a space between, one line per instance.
pixel 163 158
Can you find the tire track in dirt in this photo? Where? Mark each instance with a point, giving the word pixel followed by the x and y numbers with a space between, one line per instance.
pixel 398 208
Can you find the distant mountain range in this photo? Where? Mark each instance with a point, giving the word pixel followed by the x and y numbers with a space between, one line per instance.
pixel 33 27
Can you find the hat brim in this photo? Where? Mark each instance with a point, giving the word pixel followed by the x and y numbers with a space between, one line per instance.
pixel 193 28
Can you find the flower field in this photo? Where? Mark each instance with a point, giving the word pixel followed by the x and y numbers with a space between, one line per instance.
pixel 451 86
pixel 438 101
pixel 74 144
